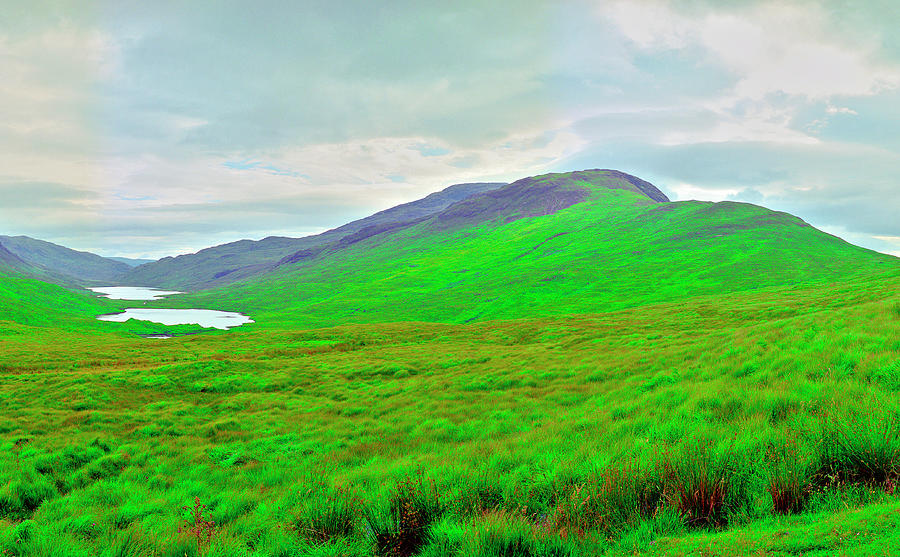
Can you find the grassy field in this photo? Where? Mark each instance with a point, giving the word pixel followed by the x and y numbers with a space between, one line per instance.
pixel 617 377
pixel 762 421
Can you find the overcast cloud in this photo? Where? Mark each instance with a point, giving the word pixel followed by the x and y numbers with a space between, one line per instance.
pixel 147 129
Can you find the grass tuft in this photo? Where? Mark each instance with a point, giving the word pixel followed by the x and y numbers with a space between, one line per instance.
pixel 610 501
pixel 703 482
pixel 401 531
pixel 328 514
pixel 860 449
pixel 790 477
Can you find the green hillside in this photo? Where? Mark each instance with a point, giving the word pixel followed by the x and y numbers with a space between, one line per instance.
pixel 25 300
pixel 69 264
pixel 238 260
pixel 553 245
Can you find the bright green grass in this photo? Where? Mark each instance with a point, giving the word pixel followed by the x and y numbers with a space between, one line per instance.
pixel 28 301
pixel 296 439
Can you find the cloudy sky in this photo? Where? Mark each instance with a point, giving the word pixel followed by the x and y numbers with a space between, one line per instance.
pixel 148 129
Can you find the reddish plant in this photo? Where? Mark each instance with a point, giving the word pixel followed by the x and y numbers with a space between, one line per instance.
pixel 697 483
pixel 609 501
pixel 414 506
pixel 198 526
pixel 789 482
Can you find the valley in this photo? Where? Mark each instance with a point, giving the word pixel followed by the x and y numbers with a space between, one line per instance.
pixel 565 365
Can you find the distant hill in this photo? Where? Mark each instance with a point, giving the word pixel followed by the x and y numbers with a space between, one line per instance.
pixel 132 262
pixel 578 242
pixel 234 261
pixel 9 260
pixel 77 266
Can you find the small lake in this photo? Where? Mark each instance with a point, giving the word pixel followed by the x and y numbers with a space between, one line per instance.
pixel 203 317
pixel 133 292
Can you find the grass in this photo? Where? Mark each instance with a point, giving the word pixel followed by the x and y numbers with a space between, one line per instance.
pixel 720 419
pixel 304 441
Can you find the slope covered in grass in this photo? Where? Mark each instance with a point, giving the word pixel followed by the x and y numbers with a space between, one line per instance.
pixel 552 245
pixel 34 308
pixel 28 301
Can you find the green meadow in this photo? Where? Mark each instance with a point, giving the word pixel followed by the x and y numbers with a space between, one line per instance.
pixel 612 377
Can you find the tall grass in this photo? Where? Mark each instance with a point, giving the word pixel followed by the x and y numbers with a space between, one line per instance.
pixel 400 530
pixel 705 481
pixel 860 448
pixel 328 513
pixel 609 502
pixel 790 475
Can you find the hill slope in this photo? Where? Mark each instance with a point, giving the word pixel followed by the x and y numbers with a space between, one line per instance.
pixel 9 260
pixel 26 300
pixel 578 242
pixel 58 260
pixel 238 260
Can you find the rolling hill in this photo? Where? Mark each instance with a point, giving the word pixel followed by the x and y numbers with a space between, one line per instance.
pixel 579 242
pixel 238 260
pixel 63 263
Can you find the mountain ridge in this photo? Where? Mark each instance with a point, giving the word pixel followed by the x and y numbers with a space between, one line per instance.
pixel 585 242
pixel 226 263
pixel 74 265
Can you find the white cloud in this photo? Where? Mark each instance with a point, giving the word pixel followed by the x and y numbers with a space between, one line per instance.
pixel 781 57
pixel 771 48
pixel 684 192
pixel 831 109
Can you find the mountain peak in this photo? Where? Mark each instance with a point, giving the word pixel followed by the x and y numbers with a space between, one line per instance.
pixel 544 194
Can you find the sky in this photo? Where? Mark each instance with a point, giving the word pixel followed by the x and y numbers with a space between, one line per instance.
pixel 147 129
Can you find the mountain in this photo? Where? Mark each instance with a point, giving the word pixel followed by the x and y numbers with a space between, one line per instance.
pixel 238 260
pixel 14 266
pixel 578 242
pixel 9 260
pixel 59 261
pixel 132 262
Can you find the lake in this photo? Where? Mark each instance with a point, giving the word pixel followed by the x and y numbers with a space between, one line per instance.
pixel 203 317
pixel 133 292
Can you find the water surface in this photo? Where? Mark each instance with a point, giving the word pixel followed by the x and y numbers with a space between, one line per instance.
pixel 133 292
pixel 202 317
